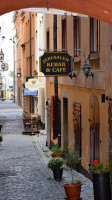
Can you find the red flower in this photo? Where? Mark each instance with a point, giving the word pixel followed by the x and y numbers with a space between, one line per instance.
pixel 95 163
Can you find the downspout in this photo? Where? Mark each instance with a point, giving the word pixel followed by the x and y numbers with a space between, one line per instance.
pixel 38 45
pixel 30 47
pixel 30 60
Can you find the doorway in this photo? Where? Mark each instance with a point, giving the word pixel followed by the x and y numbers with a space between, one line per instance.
pixel 77 127
pixel 31 104
pixel 94 128
pixel 19 96
pixel 65 122
pixel 110 128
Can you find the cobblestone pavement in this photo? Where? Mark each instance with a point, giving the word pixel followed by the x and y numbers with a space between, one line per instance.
pixel 23 163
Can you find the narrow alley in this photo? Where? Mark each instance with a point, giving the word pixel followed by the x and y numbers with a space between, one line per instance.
pixel 23 164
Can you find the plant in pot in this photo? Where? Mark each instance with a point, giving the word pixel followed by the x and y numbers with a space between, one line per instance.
pixel 101 180
pixel 56 165
pixel 72 189
pixel 56 152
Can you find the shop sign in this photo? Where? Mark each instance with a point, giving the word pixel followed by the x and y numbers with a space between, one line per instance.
pixel 33 84
pixel 55 63
pixel 28 92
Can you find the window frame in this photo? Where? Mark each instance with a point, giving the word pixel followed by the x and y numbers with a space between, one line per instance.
pixel 76 35
pixel 94 35
pixel 64 34
pixel 48 40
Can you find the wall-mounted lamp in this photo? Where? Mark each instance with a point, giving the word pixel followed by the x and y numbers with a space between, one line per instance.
pixel 1 55
pixel 18 75
pixel 103 98
pixel 86 69
pixel 71 75
pixel 3 66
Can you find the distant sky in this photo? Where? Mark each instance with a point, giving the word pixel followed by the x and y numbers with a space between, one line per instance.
pixel 7 25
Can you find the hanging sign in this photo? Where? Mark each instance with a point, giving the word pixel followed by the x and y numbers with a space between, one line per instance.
pixel 55 63
pixel 33 84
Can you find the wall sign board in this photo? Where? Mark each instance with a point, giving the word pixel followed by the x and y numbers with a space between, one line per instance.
pixel 28 92
pixel 33 84
pixel 56 63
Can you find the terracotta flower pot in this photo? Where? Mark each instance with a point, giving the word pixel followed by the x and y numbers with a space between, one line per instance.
pixel 72 191
pixel 57 155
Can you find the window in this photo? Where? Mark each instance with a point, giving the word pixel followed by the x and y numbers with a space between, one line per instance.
pixel 64 46
pixel 48 41
pixel 76 36
pixel 94 35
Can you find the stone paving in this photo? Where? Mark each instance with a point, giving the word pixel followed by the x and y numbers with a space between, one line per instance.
pixel 23 163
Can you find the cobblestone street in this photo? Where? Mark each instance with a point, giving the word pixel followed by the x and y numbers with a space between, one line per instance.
pixel 23 163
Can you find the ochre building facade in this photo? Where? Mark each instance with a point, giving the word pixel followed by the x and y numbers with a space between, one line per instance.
pixel 85 102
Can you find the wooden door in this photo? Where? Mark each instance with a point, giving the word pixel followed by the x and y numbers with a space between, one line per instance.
pixel 77 126
pixel 94 128
pixel 110 128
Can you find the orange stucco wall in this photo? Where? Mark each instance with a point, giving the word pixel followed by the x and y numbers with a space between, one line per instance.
pixel 25 51
pixel 81 88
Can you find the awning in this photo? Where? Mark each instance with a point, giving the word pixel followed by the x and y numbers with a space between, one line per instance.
pixel 99 9
pixel 27 92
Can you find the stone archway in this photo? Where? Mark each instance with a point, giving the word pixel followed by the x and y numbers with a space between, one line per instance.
pixel 98 9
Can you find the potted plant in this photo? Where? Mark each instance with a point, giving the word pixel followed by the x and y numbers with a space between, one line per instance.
pixel 101 180
pixel 56 165
pixel 56 152
pixel 72 189
pixel 72 159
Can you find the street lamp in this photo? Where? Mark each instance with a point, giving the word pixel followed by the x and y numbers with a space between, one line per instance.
pixel 86 69
pixel 1 55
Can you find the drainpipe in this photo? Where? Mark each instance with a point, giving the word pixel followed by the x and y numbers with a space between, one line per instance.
pixel 30 59
pixel 14 69
pixel 30 47
pixel 55 47
pixel 56 79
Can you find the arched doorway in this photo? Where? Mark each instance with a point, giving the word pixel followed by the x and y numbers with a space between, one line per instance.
pixel 94 128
